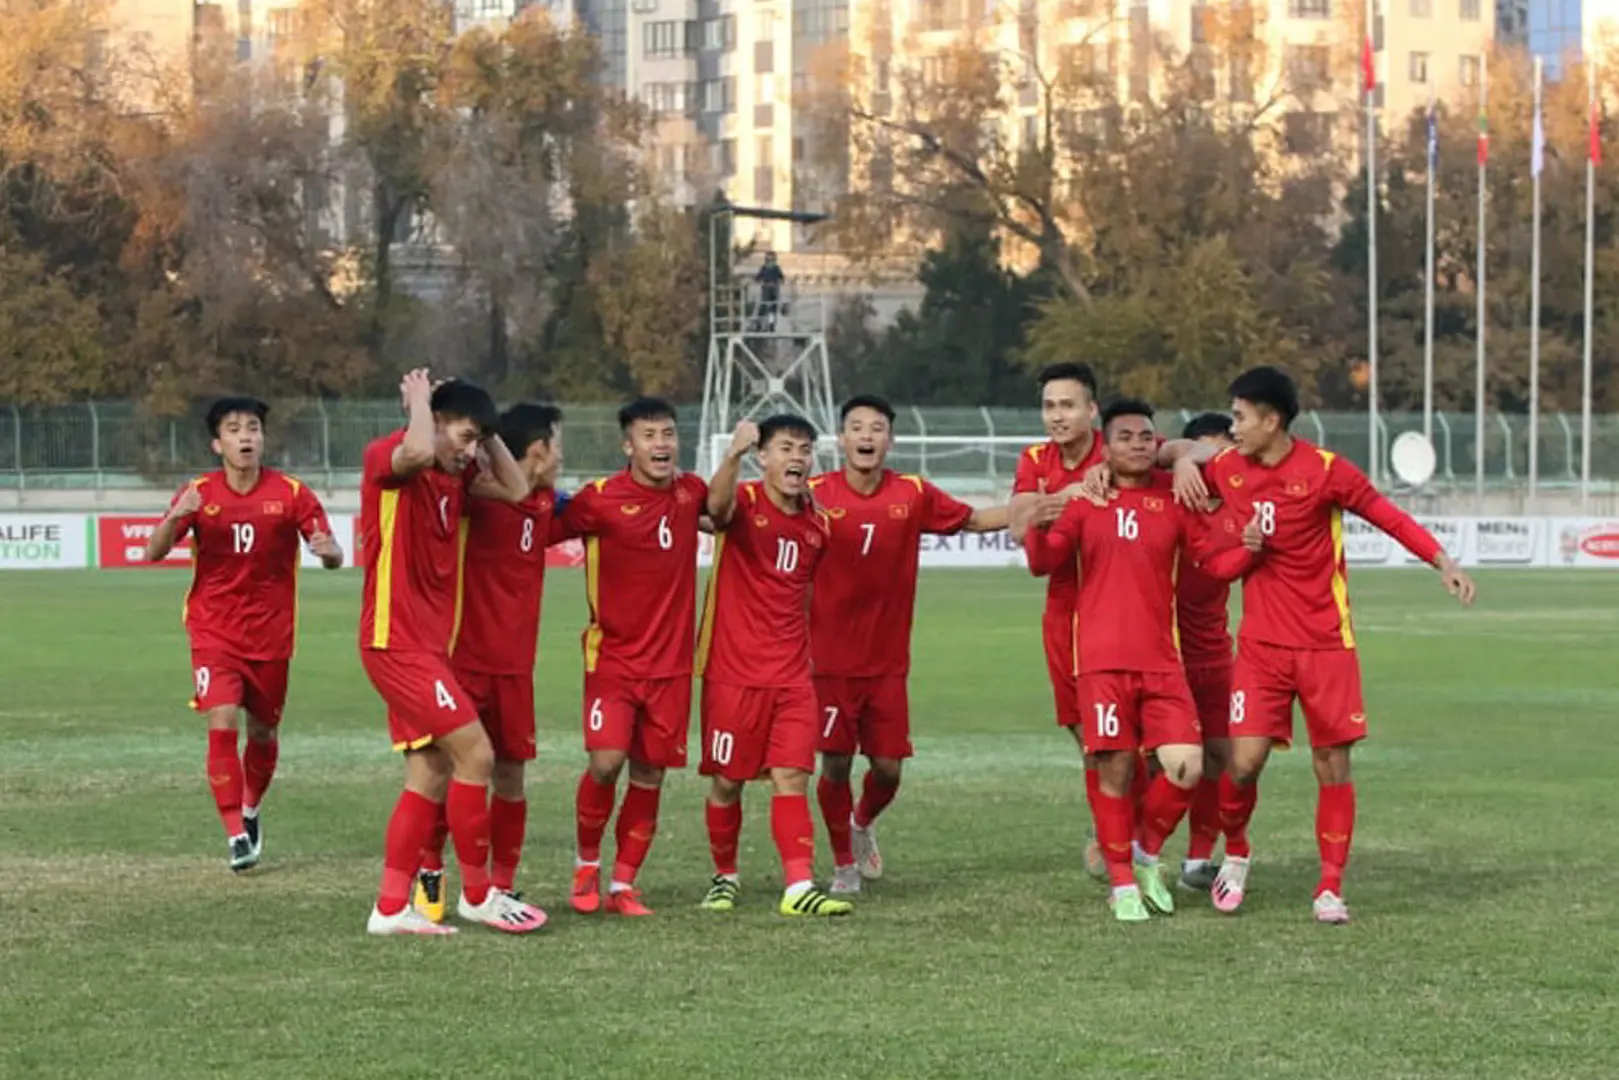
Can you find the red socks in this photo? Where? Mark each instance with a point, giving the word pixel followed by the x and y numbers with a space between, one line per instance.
pixel 409 829
pixel 468 811
pixel 1093 789
pixel 837 807
pixel 592 809
pixel 258 769
pixel 1237 802
pixel 794 833
pixel 724 826
pixel 637 825
pixel 508 818
pixel 875 795
pixel 1115 828
pixel 1334 829
pixel 1205 824
pixel 1162 808
pixel 225 778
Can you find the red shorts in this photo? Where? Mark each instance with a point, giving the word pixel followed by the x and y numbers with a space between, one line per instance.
pixel 1325 681
pixel 221 681
pixel 1211 690
pixel 748 730
pixel 425 700
pixel 1060 631
pixel 644 718
pixel 505 704
pixel 1133 710
pixel 866 715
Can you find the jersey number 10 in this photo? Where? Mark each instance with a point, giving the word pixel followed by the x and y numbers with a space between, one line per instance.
pixel 786 555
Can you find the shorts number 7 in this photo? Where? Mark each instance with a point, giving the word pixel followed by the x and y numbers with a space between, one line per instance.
pixel 831 721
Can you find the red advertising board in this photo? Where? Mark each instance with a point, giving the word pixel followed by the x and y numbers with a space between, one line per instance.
pixel 121 543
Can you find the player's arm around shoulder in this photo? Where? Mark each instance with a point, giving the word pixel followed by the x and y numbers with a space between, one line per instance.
pixel 182 513
pixel 1045 548
pixel 1217 543
pixel 498 475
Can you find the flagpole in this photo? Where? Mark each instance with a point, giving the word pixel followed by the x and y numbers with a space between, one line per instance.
pixel 1371 247
pixel 1427 331
pixel 1593 152
pixel 1537 162
pixel 1482 273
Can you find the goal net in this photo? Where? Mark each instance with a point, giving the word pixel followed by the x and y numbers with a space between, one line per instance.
pixel 961 464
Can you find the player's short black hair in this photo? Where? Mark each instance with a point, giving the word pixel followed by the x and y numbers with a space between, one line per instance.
pixel 1207 423
pixel 1080 373
pixel 459 400
pixel 1271 388
pixel 785 423
pixel 525 424
pixel 867 401
pixel 238 404
pixel 646 408
pixel 1125 407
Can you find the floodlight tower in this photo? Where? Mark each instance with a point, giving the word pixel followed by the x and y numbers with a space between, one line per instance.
pixel 762 358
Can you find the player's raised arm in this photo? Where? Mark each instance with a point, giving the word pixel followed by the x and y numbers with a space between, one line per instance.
pixel 499 477
pixel 415 452
pixel 175 523
pixel 1353 491
pixel 722 488
pixel 1047 549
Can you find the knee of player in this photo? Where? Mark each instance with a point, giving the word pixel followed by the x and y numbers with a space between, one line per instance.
pixel 222 718
pixel 1246 762
pixel 427 772
pixel 605 766
pixel 507 779
pixel 789 781
pixel 644 775
pixel 1182 763
pixel 260 732
pixel 723 791
pixel 1331 764
pixel 837 767
pixel 1113 770
pixel 886 771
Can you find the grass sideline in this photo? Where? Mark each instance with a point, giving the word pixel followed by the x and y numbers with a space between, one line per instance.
pixel 1485 867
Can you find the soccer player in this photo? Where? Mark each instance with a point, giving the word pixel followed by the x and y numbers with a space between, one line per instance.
pixel 496 637
pixel 1297 639
pixel 640 527
pixel 412 495
pixel 1202 610
pixel 758 703
pixel 860 622
pixel 1048 475
pixel 1132 691
pixel 246 522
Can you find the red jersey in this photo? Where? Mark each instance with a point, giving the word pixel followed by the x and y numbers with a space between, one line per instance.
pixel 1129 550
pixel 1297 592
pixel 865 594
pixel 756 629
pixel 501 582
pixel 640 573
pixel 243 599
pixel 409 538
pixel 1202 613
pixel 1044 462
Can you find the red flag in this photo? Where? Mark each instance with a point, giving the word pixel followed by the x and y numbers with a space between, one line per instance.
pixel 1596 133
pixel 1368 68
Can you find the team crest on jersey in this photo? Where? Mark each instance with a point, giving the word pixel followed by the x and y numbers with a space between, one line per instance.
pixel 1152 503
pixel 1298 487
pixel 629 508
pixel 760 521
pixel 835 511
pixel 813 539
pixel 1236 481
pixel 682 496
pixel 273 508
pixel 899 511
pixel 212 509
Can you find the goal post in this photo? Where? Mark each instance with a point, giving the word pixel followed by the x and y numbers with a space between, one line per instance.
pixel 961 464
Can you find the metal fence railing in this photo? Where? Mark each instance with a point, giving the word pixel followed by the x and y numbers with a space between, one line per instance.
pixel 113 445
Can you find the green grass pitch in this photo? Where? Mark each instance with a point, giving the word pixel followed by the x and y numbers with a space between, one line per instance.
pixel 1483 882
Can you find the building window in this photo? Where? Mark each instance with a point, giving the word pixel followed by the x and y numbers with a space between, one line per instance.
pixel 1418 67
pixel 1470 10
pixel 719 95
pixel 1309 9
pixel 667 97
pixel 764 89
pixel 719 33
pixel 1467 71
pixel 644 7
pixel 764 27
pixel 1309 68
pixel 665 38
pixel 1422 9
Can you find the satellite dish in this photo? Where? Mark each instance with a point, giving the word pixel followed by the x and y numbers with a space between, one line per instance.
pixel 1413 459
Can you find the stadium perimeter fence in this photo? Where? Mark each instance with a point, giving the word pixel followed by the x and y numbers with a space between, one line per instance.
pixel 114 446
